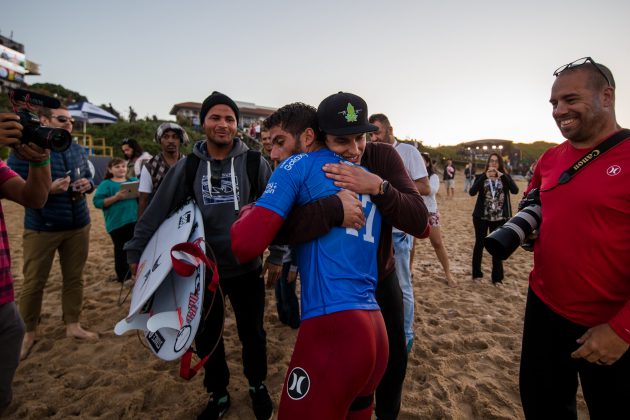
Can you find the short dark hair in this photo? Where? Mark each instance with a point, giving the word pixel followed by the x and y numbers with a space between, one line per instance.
pixel 595 79
pixel 137 149
pixel 294 118
pixel 428 162
pixel 47 112
pixel 382 118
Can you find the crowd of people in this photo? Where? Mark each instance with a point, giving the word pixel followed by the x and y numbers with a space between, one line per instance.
pixel 344 213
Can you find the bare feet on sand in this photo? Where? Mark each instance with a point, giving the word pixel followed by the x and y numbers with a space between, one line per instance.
pixel 27 344
pixel 451 281
pixel 76 331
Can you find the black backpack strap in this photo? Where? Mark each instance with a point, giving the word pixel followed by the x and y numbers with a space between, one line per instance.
pixel 253 169
pixel 190 170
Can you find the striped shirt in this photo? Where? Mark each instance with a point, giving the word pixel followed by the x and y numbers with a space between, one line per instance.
pixel 6 281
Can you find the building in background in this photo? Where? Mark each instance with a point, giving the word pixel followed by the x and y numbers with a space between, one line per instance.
pixel 13 65
pixel 250 112
pixel 478 151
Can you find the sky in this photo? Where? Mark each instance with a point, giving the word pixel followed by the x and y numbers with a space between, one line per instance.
pixel 444 72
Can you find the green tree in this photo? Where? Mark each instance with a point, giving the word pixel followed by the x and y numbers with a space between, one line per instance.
pixel 58 91
pixel 142 131
pixel 109 108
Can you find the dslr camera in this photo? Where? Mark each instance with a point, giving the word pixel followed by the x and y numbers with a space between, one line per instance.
pixel 503 241
pixel 55 139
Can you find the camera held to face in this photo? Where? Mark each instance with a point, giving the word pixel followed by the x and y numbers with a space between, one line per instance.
pixel 55 139
pixel 503 241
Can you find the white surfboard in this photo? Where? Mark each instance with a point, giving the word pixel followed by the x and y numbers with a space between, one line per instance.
pixel 177 307
pixel 172 314
pixel 155 263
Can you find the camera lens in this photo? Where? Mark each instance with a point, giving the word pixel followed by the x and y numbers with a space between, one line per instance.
pixel 504 240
pixel 59 140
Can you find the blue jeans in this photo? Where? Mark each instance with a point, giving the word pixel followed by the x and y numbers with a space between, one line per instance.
pixel 402 254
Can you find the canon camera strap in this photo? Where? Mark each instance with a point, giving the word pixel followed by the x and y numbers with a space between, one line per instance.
pixel 606 145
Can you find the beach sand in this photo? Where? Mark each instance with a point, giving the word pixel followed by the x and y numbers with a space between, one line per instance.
pixel 464 363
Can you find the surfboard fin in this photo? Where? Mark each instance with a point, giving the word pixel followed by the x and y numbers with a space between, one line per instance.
pixel 138 322
pixel 169 319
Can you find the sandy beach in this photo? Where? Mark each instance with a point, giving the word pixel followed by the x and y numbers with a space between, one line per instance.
pixel 464 363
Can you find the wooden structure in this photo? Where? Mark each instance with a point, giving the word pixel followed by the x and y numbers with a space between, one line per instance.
pixel 94 146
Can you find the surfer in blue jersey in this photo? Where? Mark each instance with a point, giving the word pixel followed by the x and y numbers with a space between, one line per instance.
pixel 221 185
pixel 341 351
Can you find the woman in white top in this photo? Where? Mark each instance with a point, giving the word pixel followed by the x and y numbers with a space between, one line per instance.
pixel 434 220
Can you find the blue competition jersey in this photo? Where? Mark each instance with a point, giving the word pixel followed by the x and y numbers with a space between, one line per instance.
pixel 338 270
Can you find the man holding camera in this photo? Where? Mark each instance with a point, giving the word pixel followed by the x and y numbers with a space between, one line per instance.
pixel 63 226
pixel 577 317
pixel 30 193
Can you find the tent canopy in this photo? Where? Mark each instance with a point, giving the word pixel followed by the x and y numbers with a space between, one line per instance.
pixel 89 113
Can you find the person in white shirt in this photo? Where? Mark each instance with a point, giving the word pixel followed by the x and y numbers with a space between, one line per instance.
pixel 135 156
pixel 435 236
pixel 171 137
pixel 403 243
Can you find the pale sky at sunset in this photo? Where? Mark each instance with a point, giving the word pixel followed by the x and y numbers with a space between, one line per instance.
pixel 443 71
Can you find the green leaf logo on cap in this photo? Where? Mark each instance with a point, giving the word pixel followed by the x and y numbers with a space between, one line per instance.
pixel 351 114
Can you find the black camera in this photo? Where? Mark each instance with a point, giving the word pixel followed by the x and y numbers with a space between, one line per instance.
pixel 503 241
pixel 55 139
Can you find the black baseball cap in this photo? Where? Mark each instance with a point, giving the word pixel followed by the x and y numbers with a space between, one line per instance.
pixel 344 113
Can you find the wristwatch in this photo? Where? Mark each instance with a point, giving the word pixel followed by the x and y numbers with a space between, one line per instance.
pixel 382 189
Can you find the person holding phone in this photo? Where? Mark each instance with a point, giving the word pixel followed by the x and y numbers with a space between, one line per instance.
pixel 493 208
pixel 63 227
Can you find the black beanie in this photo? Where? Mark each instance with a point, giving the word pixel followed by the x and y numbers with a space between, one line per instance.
pixel 217 98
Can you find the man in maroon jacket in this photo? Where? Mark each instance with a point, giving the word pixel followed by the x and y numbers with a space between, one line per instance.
pixel 402 206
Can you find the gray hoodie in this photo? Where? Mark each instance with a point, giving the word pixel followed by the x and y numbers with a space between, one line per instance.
pixel 219 204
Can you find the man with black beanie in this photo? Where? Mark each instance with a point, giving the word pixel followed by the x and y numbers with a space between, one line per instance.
pixel 222 184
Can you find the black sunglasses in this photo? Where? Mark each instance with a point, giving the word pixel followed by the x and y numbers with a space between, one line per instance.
pixel 62 118
pixel 580 62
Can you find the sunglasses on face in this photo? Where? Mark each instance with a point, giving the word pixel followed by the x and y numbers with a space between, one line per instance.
pixel 63 119
pixel 581 62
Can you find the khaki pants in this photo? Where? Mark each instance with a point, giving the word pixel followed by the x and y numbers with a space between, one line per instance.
pixel 39 252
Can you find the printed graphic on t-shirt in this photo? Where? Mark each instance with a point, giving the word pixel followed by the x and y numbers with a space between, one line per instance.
pixel 222 189
pixel 271 188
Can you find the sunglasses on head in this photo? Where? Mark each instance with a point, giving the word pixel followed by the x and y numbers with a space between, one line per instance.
pixel 62 118
pixel 581 62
